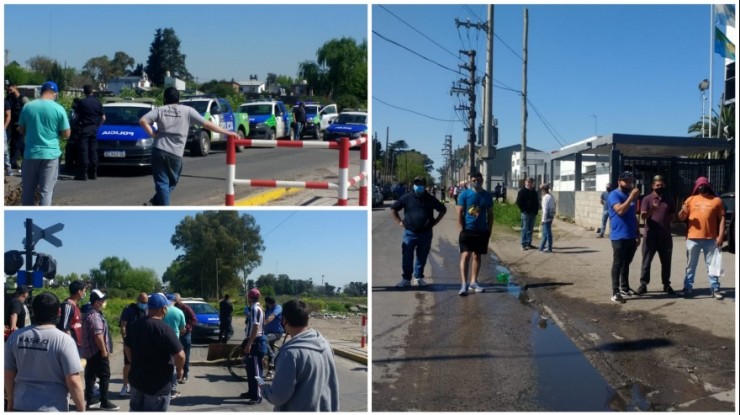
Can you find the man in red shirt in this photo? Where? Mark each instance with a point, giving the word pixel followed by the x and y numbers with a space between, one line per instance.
pixel 70 319
pixel 658 211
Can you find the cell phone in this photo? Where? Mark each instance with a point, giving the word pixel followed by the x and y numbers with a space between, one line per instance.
pixel 259 380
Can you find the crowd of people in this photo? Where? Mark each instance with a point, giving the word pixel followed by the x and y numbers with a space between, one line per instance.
pixel 57 352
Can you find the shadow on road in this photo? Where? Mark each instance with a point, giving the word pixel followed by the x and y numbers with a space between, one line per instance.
pixel 635 345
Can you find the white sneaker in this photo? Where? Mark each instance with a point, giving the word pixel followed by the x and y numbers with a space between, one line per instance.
pixel 403 284
pixel 420 282
pixel 476 288
pixel 463 291
pixel 124 392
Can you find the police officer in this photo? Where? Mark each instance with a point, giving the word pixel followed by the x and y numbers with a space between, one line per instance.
pixel 89 116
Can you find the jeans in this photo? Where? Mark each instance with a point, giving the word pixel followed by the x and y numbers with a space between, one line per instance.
pixel 166 169
pixel 298 129
pixel 422 244
pixel 604 218
pixel 97 367
pixel 141 402
pixel 187 341
pixel 664 248
pixel 41 175
pixel 272 338
pixel 693 249
pixel 624 251
pixel 7 152
pixel 546 236
pixel 527 228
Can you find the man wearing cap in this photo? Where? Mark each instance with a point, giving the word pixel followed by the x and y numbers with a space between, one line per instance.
pixel 254 347
pixel 173 123
pixel 131 313
pixel 186 338
pixel 42 121
pixel 175 319
pixel 154 352
pixel 705 214
pixel 89 114
pixel 96 348
pixel 418 220
pixel 41 364
pixel 16 312
pixel 605 211
pixel 658 211
pixel 624 234
pixel 70 320
pixel 475 223
pixel 529 204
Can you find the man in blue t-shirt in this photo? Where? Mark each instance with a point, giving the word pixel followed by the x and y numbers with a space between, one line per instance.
pixel 624 234
pixel 475 221
pixel 273 331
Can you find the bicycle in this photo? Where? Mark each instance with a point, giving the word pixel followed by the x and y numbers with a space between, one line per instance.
pixel 236 364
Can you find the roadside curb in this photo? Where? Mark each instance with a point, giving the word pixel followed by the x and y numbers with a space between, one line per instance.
pixel 267 197
pixel 355 357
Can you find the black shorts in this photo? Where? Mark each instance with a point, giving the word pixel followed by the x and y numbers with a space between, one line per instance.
pixel 472 241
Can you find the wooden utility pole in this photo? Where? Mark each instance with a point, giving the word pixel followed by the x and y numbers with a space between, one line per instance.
pixel 523 154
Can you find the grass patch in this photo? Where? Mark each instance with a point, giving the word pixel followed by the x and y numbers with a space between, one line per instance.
pixel 508 215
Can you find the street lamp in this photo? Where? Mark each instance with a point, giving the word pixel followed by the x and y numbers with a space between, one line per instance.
pixel 703 86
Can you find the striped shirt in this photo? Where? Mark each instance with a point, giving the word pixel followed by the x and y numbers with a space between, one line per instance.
pixel 93 323
pixel 256 317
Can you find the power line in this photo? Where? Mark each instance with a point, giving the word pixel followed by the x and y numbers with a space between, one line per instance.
pixel 411 111
pixel 415 53
pixel 418 31
pixel 279 224
pixel 547 125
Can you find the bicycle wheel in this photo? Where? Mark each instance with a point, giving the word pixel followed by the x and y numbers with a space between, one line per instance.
pixel 236 365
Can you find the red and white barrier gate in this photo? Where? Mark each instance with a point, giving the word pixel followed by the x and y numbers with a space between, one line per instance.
pixel 342 186
pixel 363 340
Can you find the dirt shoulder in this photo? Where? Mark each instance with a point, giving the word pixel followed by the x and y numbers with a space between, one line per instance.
pixel 660 352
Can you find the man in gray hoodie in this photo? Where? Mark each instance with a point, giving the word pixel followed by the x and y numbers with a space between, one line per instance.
pixel 305 375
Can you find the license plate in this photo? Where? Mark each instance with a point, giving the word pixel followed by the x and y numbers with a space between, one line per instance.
pixel 116 154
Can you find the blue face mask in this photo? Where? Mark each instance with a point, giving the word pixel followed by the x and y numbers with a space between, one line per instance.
pixel 418 188
pixel 141 306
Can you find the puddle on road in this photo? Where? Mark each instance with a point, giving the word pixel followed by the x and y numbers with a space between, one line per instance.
pixel 566 379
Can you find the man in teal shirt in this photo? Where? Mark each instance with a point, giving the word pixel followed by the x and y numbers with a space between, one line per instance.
pixel 175 319
pixel 42 121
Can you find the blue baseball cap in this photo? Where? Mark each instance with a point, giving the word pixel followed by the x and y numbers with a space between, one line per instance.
pixel 157 300
pixel 49 85
pixel 171 298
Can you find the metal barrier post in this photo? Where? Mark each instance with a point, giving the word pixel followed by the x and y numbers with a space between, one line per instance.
pixel 343 194
pixel 364 168
pixel 230 170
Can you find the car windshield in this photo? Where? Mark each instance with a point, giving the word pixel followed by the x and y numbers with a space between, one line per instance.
pixel 200 106
pixel 256 109
pixel 202 308
pixel 124 115
pixel 312 110
pixel 351 119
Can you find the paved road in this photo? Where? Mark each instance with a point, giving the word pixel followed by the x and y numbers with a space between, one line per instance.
pixel 203 179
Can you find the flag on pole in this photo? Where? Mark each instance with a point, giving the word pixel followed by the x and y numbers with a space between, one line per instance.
pixel 722 45
pixel 725 14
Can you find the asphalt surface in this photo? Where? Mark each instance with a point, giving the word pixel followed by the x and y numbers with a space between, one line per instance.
pixel 551 339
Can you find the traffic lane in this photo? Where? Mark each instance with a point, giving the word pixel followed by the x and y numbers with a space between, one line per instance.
pixel 203 179
pixel 436 351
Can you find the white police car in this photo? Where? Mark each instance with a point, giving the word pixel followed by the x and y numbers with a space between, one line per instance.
pixel 350 123
pixel 121 140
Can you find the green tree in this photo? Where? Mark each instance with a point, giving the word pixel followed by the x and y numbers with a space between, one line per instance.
pixel 165 55
pixel 346 63
pixel 117 273
pixel 42 65
pixel 314 76
pixel 212 244
pixel 411 164
pixel 98 68
pixel 356 289
pixel 15 73
pixel 59 76
pixel 120 64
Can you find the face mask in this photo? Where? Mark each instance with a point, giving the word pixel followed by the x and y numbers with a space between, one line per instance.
pixel 702 189
pixel 141 306
pixel 418 188
pixel 626 188
pixel 84 294
pixel 478 185
pixel 102 307
pixel 659 191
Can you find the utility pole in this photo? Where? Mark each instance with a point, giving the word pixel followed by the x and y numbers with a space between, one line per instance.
pixel 489 147
pixel 523 154
pixel 447 151
pixel 467 86
pixel 385 162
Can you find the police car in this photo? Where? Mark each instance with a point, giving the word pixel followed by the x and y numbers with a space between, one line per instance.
pixel 350 123
pixel 268 120
pixel 207 316
pixel 218 111
pixel 121 140
pixel 318 119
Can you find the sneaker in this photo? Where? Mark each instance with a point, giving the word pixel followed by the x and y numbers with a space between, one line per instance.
pixel 476 288
pixel 95 405
pixel 525 247
pixel 717 295
pixel 420 282
pixel 530 246
pixel 629 292
pixel 463 291
pixel 601 235
pixel 183 381
pixel 668 290
pixel 109 406
pixel 124 392
pixel 254 401
pixel 642 289
pixel 245 395
pixel 175 394
pixel 617 298
pixel 404 283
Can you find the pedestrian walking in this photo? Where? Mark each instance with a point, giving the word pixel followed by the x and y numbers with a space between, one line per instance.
pixel 173 123
pixel 529 205
pixel 624 234
pixel 70 317
pixel 497 192
pixel 705 214
pixel 154 352
pixel 89 116
pixel 254 347
pixel 175 318
pixel 658 212
pixel 187 337
pixel 273 331
pixel 299 119
pixel 305 375
pixel 15 137
pixel 418 220
pixel 42 121
pixel 96 348
pixel 548 214
pixel 42 366
pixel 6 126
pixel 475 223
pixel 131 313
pixel 603 199
pixel 225 311
pixel 17 315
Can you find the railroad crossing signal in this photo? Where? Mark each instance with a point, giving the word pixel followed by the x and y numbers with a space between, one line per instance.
pixel 46 234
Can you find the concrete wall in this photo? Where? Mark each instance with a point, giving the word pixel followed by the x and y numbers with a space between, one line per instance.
pixel 588 210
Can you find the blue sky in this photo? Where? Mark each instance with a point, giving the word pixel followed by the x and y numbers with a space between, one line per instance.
pixel 220 42
pixel 300 243
pixel 636 68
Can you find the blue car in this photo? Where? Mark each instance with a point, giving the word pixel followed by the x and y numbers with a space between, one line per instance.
pixel 121 140
pixel 350 124
pixel 207 315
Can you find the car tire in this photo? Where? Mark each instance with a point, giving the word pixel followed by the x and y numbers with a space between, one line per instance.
pixel 316 133
pixel 271 134
pixel 201 146
pixel 239 149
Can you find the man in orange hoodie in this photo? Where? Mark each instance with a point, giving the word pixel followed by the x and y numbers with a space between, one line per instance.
pixel 705 216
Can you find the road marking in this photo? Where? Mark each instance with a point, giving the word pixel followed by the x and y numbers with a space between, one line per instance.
pixel 267 197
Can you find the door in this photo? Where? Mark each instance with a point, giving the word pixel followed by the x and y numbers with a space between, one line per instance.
pixel 327 114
